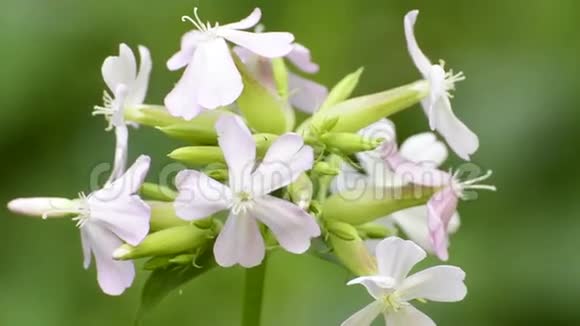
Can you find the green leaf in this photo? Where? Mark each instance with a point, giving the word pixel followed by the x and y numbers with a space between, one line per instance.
pixel 163 281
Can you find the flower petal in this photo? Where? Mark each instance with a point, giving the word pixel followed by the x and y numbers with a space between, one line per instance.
pixel 138 89
pixel 365 316
pixel 460 138
pixel 248 22
pixel 128 183
pixel 439 283
pixel 419 58
pixel 378 286
pixel 239 148
pixel 239 242
pixel 285 160
pixel 218 81
pixel 424 148
pixel 410 172
pixel 121 69
pixel 441 208
pixel 291 225
pixel 413 222
pixel 113 276
pixel 183 57
pixel 87 250
pixel 396 257
pixel 300 56
pixel 408 316
pixel 307 96
pixel 199 195
pixel 269 45
pixel 43 206
pixel 121 149
pixel 182 100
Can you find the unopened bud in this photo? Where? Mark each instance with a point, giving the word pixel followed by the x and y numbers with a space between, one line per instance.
pixel 375 231
pixel 151 115
pixel 323 168
pixel 198 155
pixel 163 216
pixel 198 131
pixel 351 250
pixel 343 90
pixel 43 206
pixel 157 192
pixel 301 191
pixel 350 143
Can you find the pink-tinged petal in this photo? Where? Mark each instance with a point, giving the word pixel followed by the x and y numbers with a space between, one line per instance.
pixel 410 172
pixel 269 45
pixel 121 69
pixel 138 90
pixel 239 242
pixel 408 316
pixel 413 222
pixel 441 208
pixel 377 286
pixel 300 56
pixel 285 160
pixel 218 81
pixel 419 58
pixel 291 225
pixel 182 100
pixel 396 257
pixel 365 316
pixel 424 148
pixel 113 276
pixel 128 183
pixel 239 148
pixel 248 22
pixel 183 57
pixel 439 283
pixel 244 54
pixel 199 195
pixel 307 96
pixel 127 217
pixel 43 206
pixel 460 138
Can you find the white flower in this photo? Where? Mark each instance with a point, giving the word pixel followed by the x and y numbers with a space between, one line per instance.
pixel 107 218
pixel 306 95
pixel 423 149
pixel 247 196
pixel 129 88
pixel 211 78
pixel 437 105
pixel 393 289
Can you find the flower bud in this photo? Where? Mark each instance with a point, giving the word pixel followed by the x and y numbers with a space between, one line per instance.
pixel 359 112
pixel 342 90
pixel 375 231
pixel 43 206
pixel 301 191
pixel 151 115
pixel 163 216
pixel 157 192
pixel 323 168
pixel 198 155
pixel 366 205
pixel 198 131
pixel 350 249
pixel 349 143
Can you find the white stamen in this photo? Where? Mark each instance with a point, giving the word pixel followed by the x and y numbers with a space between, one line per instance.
pixel 197 22
pixel 107 110
pixel 461 187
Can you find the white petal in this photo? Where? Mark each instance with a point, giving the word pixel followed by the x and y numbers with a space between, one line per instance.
pixel 440 283
pixel 396 257
pixel 419 58
pixel 39 206
pixel 269 45
pixel 461 140
pixel 121 151
pixel 239 148
pixel 424 148
pixel 183 57
pixel 87 250
pixel 113 276
pixel 127 216
pixel 285 160
pixel 199 196
pixel 377 286
pixel 291 225
pixel 218 81
pixel 408 316
pixel 248 22
pixel 301 58
pixel 120 69
pixel 128 183
pixel 239 242
pixel 413 222
pixel 365 316
pixel 182 100
pixel 307 95
pixel 138 89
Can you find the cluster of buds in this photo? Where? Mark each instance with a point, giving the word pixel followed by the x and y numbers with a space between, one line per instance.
pixel 260 177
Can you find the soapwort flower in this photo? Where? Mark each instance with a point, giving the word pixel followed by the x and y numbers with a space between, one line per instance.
pixel 211 79
pixel 129 88
pixel 247 195
pixel 107 218
pixel 437 105
pixel 393 289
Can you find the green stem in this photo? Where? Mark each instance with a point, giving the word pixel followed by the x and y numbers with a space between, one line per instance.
pixel 253 294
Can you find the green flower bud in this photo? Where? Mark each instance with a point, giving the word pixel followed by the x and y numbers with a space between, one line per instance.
pixel 151 115
pixel 157 192
pixel 342 90
pixel 217 171
pixel 350 249
pixel 375 231
pixel 323 168
pixel 263 142
pixel 163 216
pixel 156 263
pixel 366 205
pixel 166 242
pixel 349 143
pixel 198 155
pixel 198 131
pixel 359 112
pixel 185 259
pixel 301 191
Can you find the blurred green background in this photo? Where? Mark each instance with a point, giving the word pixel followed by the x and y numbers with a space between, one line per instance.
pixel 519 246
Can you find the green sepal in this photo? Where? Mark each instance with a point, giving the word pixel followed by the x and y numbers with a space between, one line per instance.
pixel 280 72
pixel 198 131
pixel 151 115
pixel 157 192
pixel 163 216
pixel 349 143
pixel 343 90
pixel 351 251
pixel 375 231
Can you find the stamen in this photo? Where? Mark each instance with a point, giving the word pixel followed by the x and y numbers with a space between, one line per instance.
pixel 486 176
pixel 195 21
pixel 480 187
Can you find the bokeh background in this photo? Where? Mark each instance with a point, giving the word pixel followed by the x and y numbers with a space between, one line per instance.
pixel 518 246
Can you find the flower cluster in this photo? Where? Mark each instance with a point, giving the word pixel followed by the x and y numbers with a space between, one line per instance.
pixel 260 177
